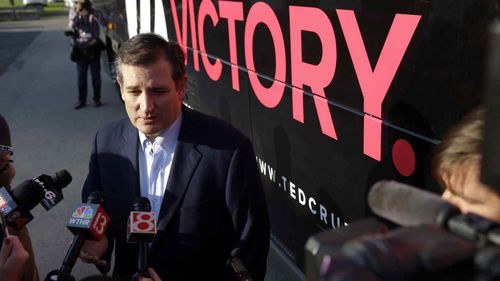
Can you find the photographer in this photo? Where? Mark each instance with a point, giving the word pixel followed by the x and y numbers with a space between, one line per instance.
pixel 433 240
pixel 456 166
pixel 87 51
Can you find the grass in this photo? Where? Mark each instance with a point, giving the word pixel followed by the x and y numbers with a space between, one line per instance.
pixel 8 4
pixel 54 8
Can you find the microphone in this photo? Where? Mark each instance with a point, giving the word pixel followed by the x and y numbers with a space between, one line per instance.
pixel 52 186
pixel 141 228
pixel 409 206
pixel 17 203
pixel 87 222
pixel 57 275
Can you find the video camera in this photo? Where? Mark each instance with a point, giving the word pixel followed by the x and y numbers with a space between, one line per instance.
pixel 435 242
pixel 70 33
pixel 416 234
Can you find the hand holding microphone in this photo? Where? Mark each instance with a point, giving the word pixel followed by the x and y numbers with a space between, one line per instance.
pixel 13 259
pixel 238 267
pixel 13 256
pixel 88 222
pixel 92 251
pixel 141 229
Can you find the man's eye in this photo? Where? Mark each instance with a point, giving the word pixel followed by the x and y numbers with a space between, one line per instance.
pixel 159 91
pixel 134 92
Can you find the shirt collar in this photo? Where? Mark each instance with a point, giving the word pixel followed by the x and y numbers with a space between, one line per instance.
pixel 167 138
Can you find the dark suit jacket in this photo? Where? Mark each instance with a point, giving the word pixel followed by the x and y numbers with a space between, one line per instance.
pixel 214 202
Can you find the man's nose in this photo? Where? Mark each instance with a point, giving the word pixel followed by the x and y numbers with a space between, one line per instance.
pixel 147 103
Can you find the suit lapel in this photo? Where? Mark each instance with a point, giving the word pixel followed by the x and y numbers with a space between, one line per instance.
pixel 128 149
pixel 185 162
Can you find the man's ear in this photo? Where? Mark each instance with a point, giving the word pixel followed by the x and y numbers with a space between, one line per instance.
pixel 120 85
pixel 181 87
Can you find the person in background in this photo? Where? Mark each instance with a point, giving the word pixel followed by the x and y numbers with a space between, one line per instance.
pixel 7 173
pixel 101 18
pixel 198 172
pixel 13 259
pixel 456 166
pixel 71 13
pixel 89 46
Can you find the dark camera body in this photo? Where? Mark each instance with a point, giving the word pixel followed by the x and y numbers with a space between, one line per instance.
pixel 70 33
pixel 466 248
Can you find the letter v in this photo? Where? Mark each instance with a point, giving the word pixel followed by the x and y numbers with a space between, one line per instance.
pixel 182 37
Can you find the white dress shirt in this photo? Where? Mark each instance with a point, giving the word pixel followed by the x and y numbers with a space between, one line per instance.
pixel 155 161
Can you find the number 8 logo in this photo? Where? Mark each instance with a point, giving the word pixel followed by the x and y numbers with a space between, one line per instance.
pixel 144 221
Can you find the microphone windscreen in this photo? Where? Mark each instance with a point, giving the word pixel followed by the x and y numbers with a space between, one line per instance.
pixel 141 224
pixel 96 197
pixel 62 179
pixel 141 204
pixel 28 194
pixel 408 206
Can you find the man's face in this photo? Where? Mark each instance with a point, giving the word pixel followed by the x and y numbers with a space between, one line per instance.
pixel 464 190
pixel 152 100
pixel 79 6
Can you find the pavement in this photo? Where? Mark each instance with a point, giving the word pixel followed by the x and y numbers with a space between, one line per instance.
pixel 38 90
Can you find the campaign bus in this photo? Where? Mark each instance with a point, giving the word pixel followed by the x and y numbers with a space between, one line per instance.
pixel 335 95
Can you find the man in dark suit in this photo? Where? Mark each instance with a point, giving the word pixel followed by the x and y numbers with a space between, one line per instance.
pixel 199 173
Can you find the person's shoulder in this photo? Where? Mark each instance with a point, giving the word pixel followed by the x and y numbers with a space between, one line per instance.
pixel 115 128
pixel 212 128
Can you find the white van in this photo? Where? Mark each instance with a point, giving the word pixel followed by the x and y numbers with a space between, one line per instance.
pixel 69 3
pixel 34 2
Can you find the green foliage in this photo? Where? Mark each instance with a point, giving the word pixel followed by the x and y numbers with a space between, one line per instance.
pixel 51 8
pixel 54 7
pixel 7 3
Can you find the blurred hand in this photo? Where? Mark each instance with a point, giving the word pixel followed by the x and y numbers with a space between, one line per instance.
pixel 13 259
pixel 153 274
pixel 92 251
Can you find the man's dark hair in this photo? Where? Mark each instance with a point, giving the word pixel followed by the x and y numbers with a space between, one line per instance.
pixel 147 48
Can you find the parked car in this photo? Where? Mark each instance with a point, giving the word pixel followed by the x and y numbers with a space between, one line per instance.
pixel 35 2
pixel 69 3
